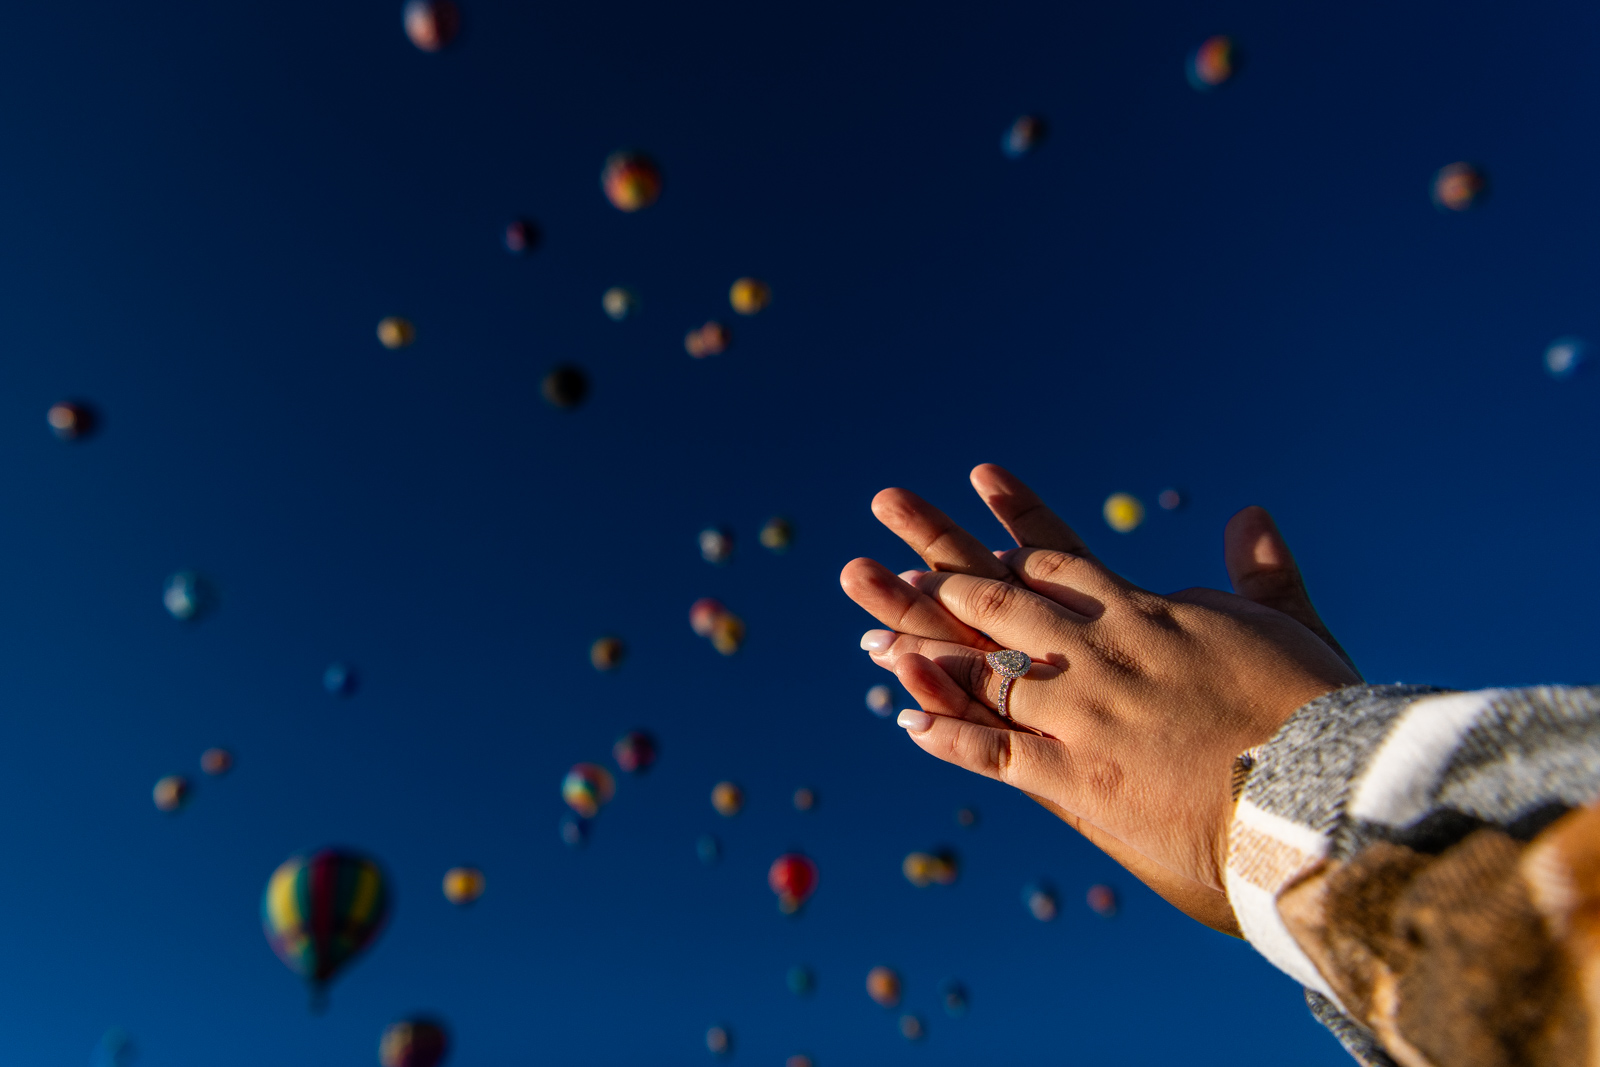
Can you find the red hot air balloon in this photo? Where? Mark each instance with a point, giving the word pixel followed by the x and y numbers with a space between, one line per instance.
pixel 794 878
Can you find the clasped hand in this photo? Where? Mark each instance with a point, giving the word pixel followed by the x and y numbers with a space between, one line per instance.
pixel 1137 704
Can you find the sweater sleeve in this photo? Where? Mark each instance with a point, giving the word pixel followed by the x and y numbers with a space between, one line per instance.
pixel 1427 864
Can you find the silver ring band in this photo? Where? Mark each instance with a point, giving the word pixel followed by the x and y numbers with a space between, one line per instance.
pixel 1010 665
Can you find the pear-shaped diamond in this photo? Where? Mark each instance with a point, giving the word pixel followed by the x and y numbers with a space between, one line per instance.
pixel 1009 663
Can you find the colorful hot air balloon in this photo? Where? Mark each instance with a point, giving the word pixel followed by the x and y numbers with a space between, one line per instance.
pixel 171 792
pixel 635 752
pixel 794 878
pixel 395 332
pixel 587 788
pixel 777 535
pixel 749 295
pixel 923 869
pixel 565 386
pixel 1213 63
pixel 710 619
pixel 712 339
pixel 463 885
pixel 703 615
pixel 631 181
pixel 880 699
pixel 522 236
pixel 719 1040
pixel 620 303
pixel 1103 900
pixel 607 653
pixel 1459 186
pixel 413 1043
pixel 799 1059
pixel 1023 136
pixel 716 544
pixel 727 798
pixel 216 761
pixel 912 1028
pixel 1170 499
pixel 322 910
pixel 1040 901
pixel 71 421
pixel 805 798
pixel 187 596
pixel 1565 356
pixel 431 24
pixel 1123 512
pixel 883 986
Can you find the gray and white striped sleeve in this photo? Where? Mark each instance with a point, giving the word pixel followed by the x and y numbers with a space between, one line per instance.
pixel 1427 864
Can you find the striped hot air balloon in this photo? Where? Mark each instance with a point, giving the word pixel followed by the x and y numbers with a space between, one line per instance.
pixel 321 910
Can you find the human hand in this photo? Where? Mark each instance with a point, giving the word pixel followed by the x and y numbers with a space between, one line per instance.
pixel 1262 569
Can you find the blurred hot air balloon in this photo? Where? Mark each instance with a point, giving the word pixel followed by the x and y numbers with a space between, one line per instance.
pixel 1023 136
pixel 716 544
pixel 923 869
pixel 794 878
pixel 620 303
pixel 1213 63
pixel 635 752
pixel 395 332
pixel 954 995
pixel 880 698
pixel 413 1043
pixel 522 236
pixel 187 596
pixel 574 831
pixel 1459 186
pixel 171 792
pixel 114 1049
pixel 777 535
pixel 71 421
pixel 703 615
pixel 216 761
pixel 727 798
pixel 1170 499
pixel 587 788
pixel 725 629
pixel 749 295
pixel 883 986
pixel 1565 356
pixel 340 679
pixel 911 1027
pixel 709 849
pixel 712 339
pixel 805 799
pixel 719 1040
pixel 799 1059
pixel 322 910
pixel 431 24
pixel 1103 900
pixel 1040 900
pixel 800 980
pixel 565 386
pixel 463 885
pixel 967 817
pixel 1123 512
pixel 607 653
pixel 631 180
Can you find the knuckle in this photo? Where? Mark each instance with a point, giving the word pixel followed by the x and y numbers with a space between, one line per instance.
pixel 1047 565
pixel 992 599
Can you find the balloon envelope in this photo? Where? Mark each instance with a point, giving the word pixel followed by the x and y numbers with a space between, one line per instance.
pixel 883 986
pixel 463 885
pixel 71 421
pixel 631 181
pixel 323 909
pixel 413 1043
pixel 587 788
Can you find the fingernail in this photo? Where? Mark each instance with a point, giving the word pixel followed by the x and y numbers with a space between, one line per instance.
pixel 910 577
pixel 915 721
pixel 877 640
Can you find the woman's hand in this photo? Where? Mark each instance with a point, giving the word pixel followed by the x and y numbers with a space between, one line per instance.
pixel 1141 702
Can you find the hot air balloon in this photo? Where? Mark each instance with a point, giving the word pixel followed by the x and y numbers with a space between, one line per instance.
pixel 880 699
pixel 709 849
pixel 574 831
pixel 607 653
pixel 716 544
pixel 631 181
pixel 1565 356
pixel 620 303
pixel 883 986
pixel 587 788
pixel 431 24
pixel 114 1049
pixel 1023 136
pixel 413 1043
pixel 727 633
pixel 171 792
pixel 1459 187
pixel 463 885
pixel 216 761
pixel 71 421
pixel 1123 512
pixel 712 339
pixel 923 869
pixel 954 995
pixel 800 980
pixel 522 236
pixel 727 798
pixel 340 679
pixel 1040 900
pixel 1213 63
pixel 635 752
pixel 749 295
pixel 777 535
pixel 1103 900
pixel 967 817
pixel 799 1059
pixel 565 386
pixel 395 332
pixel 703 615
pixel 1170 499
pixel 719 1040
pixel 804 799
pixel 911 1027
pixel 187 596
pixel 322 910
pixel 794 878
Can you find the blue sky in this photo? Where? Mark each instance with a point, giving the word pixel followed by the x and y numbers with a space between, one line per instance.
pixel 204 211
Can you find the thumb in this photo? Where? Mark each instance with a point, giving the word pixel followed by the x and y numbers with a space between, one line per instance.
pixel 1263 570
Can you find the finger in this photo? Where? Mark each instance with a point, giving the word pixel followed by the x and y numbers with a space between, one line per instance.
pixel 901 607
pixel 1016 617
pixel 1028 761
pixel 1081 584
pixel 1022 513
pixel 1263 570
pixel 931 686
pixel 934 536
pixel 966 667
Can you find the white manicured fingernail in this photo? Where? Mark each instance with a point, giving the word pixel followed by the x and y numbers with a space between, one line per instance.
pixel 910 577
pixel 915 721
pixel 877 640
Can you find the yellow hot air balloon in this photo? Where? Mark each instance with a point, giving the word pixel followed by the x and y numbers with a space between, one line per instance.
pixel 395 332
pixel 1123 512
pixel 463 885
pixel 749 295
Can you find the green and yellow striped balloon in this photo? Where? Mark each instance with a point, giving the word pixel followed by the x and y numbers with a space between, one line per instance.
pixel 322 910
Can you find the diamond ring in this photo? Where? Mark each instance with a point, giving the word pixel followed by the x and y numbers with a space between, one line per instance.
pixel 1010 665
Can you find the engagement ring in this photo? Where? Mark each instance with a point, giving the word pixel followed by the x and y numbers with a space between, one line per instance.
pixel 1010 665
